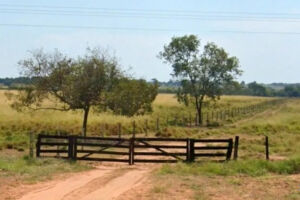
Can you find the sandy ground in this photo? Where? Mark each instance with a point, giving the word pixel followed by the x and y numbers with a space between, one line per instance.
pixel 102 183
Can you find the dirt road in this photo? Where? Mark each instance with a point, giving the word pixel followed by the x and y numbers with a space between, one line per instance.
pixel 102 183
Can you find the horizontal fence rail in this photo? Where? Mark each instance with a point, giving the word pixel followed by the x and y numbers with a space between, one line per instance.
pixel 131 150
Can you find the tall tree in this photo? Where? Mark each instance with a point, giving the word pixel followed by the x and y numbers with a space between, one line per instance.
pixel 70 84
pixel 202 74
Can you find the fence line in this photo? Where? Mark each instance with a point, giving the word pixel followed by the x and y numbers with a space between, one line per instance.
pixel 210 118
pixel 131 150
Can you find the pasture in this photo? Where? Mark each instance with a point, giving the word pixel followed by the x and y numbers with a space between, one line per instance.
pixel 192 181
pixel 14 126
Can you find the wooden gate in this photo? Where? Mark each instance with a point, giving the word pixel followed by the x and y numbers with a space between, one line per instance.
pixel 140 150
pixel 160 150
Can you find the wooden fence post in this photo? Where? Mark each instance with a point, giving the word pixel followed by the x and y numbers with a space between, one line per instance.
pixel 236 147
pixel 131 151
pixel 157 124
pixel 38 146
pixel 75 147
pixel 57 148
pixel 267 147
pixel 190 119
pixel 229 151
pixel 192 150
pixel 188 157
pixel 70 147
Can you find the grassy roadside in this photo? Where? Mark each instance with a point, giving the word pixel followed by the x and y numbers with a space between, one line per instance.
pixel 31 170
pixel 234 180
pixel 242 167
pixel 251 177
pixel 216 187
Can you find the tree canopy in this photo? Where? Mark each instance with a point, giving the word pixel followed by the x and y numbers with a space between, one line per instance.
pixel 201 73
pixel 93 80
pixel 69 84
pixel 131 97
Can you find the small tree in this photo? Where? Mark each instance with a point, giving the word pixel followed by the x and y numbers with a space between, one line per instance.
pixel 201 74
pixel 69 84
pixel 132 97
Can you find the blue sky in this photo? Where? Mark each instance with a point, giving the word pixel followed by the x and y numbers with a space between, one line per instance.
pixel 269 53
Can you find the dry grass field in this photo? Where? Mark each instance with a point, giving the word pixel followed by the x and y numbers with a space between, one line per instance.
pixel 16 124
pixel 251 177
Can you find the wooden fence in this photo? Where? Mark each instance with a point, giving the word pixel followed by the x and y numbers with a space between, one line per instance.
pixel 135 150
pixel 157 123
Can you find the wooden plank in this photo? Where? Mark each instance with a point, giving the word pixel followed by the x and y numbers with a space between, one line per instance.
pixel 160 146
pixel 53 144
pixel 62 157
pixel 102 145
pixel 159 149
pixel 158 154
pixel 155 161
pixel 53 136
pixel 107 147
pixel 102 138
pixel 210 154
pixel 212 148
pixel 212 140
pixel 104 159
pixel 102 152
pixel 53 151
pixel 162 139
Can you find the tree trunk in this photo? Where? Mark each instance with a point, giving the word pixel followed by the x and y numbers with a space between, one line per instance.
pixel 199 112
pixel 85 118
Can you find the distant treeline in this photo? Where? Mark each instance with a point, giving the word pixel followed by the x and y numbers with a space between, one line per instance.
pixel 14 83
pixel 250 89
pixel 242 88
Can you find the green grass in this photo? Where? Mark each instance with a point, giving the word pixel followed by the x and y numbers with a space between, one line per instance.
pixel 15 126
pixel 32 170
pixel 245 167
pixel 294 196
pixel 165 106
